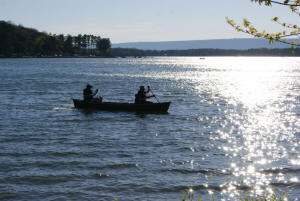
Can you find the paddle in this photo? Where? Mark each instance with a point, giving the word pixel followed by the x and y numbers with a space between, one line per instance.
pixel 153 94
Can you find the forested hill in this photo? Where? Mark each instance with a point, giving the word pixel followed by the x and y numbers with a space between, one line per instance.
pixel 19 41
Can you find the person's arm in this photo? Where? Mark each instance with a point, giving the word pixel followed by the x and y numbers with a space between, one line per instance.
pixel 148 92
pixel 95 92
pixel 150 96
pixel 148 89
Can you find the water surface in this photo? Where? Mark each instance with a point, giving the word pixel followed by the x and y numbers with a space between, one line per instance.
pixel 233 127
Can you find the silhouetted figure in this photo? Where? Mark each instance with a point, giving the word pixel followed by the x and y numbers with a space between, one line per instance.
pixel 141 96
pixel 88 94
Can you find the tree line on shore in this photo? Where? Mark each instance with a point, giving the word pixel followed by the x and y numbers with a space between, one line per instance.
pixel 18 41
pixel 130 52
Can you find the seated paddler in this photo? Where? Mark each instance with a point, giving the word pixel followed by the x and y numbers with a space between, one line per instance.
pixel 141 97
pixel 88 94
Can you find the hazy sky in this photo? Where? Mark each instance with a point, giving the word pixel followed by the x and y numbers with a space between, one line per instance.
pixel 142 20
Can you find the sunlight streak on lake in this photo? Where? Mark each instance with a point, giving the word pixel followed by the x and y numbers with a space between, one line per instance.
pixel 257 87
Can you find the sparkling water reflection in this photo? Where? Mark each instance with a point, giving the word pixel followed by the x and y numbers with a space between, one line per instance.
pixel 232 128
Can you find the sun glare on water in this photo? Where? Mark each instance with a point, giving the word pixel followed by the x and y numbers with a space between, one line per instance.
pixel 262 128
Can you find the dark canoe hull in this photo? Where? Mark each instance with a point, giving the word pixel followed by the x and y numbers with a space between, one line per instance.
pixel 132 107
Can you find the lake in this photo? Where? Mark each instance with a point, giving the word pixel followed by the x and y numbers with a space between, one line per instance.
pixel 233 127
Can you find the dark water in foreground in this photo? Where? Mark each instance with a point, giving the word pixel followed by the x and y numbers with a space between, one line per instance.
pixel 233 127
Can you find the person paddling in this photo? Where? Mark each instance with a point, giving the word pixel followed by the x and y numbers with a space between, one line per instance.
pixel 141 97
pixel 88 94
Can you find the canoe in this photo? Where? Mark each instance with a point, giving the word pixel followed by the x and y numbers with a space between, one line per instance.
pixel 115 106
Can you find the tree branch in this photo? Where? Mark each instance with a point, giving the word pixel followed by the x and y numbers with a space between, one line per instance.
pixel 285 4
pixel 271 39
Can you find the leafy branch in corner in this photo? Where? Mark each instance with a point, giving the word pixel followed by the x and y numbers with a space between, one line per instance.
pixel 286 36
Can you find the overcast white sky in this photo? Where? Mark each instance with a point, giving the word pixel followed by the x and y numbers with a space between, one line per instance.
pixel 142 20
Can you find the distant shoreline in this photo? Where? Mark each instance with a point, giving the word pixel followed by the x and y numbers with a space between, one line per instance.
pixel 134 57
pixel 137 53
pixel 52 57
pixel 22 42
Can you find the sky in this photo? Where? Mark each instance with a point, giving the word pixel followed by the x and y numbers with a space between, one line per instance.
pixel 143 20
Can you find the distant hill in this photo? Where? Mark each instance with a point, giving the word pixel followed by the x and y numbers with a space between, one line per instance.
pixel 236 44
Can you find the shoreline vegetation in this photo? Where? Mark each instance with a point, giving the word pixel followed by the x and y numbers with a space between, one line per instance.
pixel 124 52
pixel 17 41
pixel 260 53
